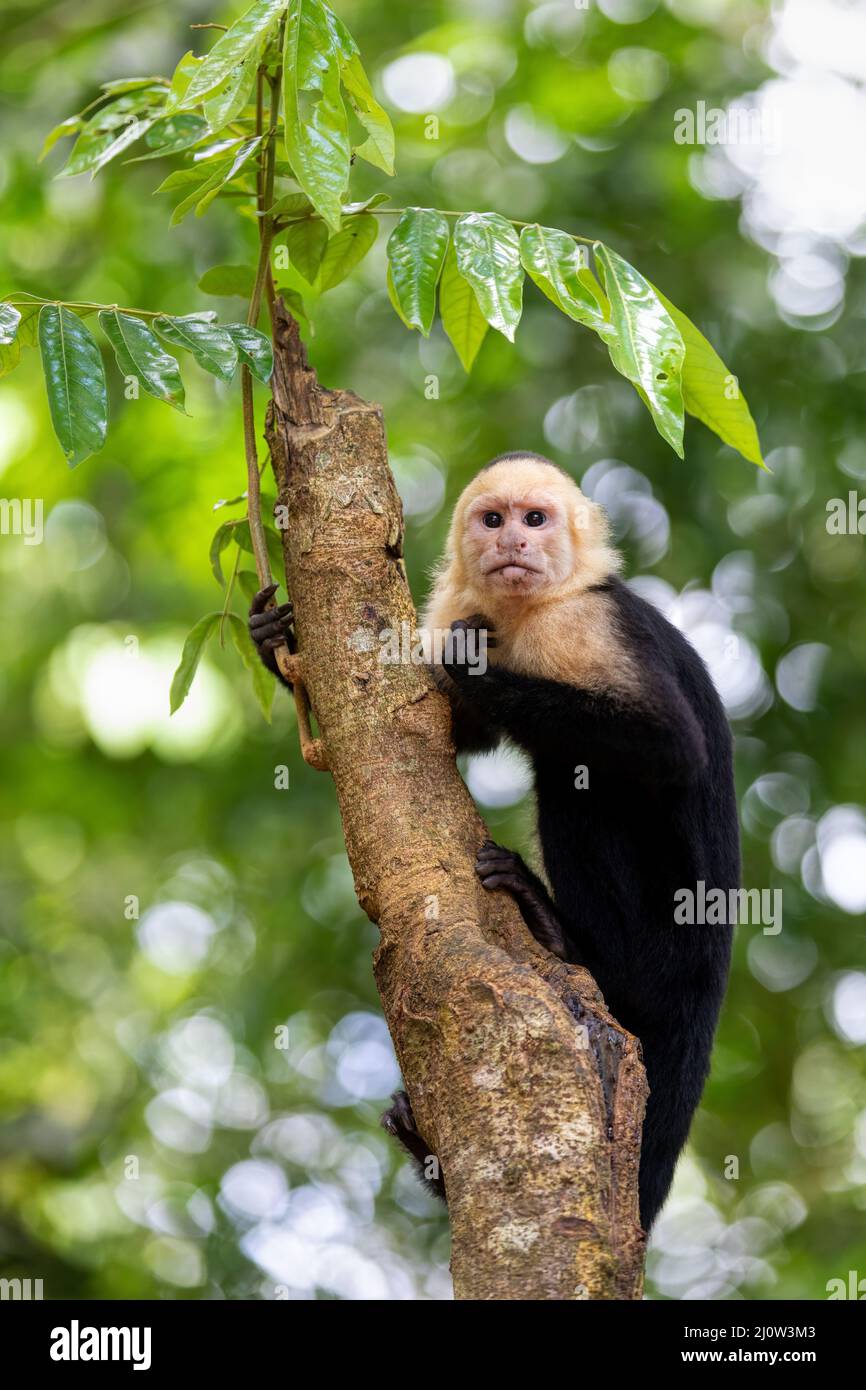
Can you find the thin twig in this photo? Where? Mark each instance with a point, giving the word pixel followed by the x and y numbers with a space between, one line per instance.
pixel 265 198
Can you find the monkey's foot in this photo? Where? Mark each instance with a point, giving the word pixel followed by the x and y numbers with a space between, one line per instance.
pixel 503 868
pixel 400 1122
pixel 271 628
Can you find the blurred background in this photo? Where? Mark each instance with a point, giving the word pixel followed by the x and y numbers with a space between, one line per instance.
pixel 192 1058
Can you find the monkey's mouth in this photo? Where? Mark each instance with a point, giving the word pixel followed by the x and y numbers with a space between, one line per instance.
pixel 513 570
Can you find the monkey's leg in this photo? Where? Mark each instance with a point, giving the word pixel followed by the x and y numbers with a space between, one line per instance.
pixel 503 868
pixel 400 1122
pixel 271 628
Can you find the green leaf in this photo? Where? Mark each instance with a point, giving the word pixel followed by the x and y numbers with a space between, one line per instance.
pixel 183 75
pixel 306 243
pixel 10 342
pixel 171 134
pixel 10 356
pixel 275 549
pixel 711 393
pixel 87 151
pixel 203 195
pixel 113 129
pixel 222 539
pixel 119 85
pixel 147 100
pixel 488 256
pixel 315 124
pixel 227 280
pixel 264 685
pixel 70 126
pixel 10 317
pixel 346 249
pixel 297 307
pixel 232 47
pixel 552 259
pixel 230 99
pixel 588 279
pixel 183 178
pixel 248 583
pixel 128 136
pixel 275 546
pixel 204 168
pixel 378 148
pixel 462 318
pixel 211 346
pixel 242 536
pixel 254 349
pixel 647 348
pixel 75 381
pixel 27 330
pixel 191 655
pixel 213 187
pixel 291 205
pixel 416 252
pixel 395 303
pixel 140 354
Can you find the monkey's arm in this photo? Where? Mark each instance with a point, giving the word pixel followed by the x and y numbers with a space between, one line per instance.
pixel 655 737
pixel 471 730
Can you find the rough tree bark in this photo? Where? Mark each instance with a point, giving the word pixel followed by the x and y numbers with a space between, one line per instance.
pixel 530 1094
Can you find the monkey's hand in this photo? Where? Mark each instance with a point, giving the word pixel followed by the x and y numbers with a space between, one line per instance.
pixel 271 628
pixel 400 1122
pixel 471 730
pixel 455 658
pixel 503 868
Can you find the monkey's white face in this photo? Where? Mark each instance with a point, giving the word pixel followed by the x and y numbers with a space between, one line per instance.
pixel 519 545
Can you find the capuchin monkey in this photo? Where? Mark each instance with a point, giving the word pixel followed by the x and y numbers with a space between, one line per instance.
pixel 633 772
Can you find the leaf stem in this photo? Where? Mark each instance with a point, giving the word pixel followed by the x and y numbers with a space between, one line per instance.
pixel 83 304
pixel 313 216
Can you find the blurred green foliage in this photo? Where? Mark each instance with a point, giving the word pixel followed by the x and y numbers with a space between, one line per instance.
pixel 192 1061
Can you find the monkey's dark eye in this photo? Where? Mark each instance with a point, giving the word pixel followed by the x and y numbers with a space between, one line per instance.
pixel 491 520
pixel 535 518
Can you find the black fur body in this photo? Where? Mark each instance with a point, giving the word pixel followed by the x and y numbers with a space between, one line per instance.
pixel 659 814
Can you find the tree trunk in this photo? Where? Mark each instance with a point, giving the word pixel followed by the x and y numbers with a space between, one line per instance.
pixel 530 1094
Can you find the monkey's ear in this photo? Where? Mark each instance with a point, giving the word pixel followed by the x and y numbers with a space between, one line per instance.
pixel 590 521
pixel 592 534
